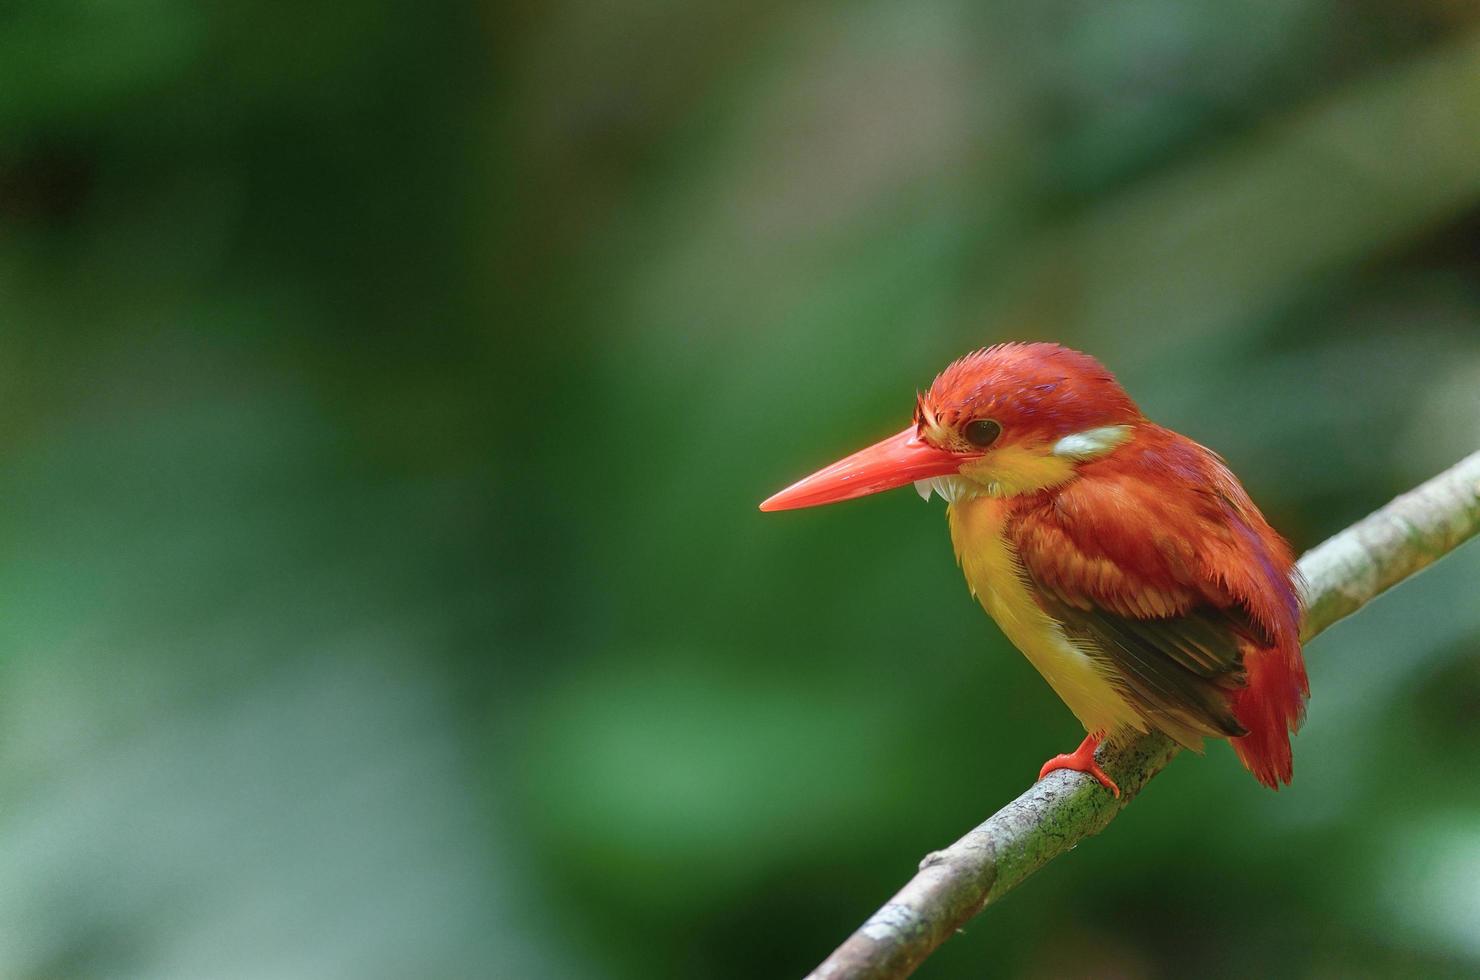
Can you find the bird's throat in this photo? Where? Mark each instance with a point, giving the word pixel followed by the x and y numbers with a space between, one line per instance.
pixel 1015 470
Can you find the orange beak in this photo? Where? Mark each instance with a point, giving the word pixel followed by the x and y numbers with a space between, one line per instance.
pixel 900 459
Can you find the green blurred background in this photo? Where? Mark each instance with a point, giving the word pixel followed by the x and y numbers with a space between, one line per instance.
pixel 388 388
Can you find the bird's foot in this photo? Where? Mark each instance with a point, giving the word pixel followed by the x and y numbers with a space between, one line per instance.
pixel 1082 759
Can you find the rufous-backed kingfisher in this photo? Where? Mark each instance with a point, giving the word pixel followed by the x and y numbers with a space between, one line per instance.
pixel 1124 560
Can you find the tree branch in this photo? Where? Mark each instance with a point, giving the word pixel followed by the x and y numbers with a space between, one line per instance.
pixel 1341 576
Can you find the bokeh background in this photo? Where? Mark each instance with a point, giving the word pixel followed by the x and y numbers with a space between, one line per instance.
pixel 387 389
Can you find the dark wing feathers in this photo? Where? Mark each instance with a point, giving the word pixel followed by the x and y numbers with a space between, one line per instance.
pixel 1178 671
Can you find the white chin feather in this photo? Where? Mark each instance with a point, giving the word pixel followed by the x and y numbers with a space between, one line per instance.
pixel 950 488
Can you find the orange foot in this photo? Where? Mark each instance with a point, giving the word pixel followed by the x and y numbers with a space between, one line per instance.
pixel 1082 759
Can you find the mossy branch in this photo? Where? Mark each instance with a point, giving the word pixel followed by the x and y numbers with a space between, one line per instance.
pixel 1341 575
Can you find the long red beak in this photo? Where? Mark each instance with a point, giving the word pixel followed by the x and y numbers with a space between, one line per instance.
pixel 895 461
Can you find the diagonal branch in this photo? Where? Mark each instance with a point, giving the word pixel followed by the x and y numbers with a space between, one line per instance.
pixel 1341 575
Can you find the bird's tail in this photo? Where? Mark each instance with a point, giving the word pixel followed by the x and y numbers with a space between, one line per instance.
pixel 1271 707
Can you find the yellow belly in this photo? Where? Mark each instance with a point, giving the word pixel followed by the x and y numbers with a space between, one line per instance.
pixel 994 576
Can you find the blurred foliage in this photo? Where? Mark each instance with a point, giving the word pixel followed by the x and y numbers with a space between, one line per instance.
pixel 388 389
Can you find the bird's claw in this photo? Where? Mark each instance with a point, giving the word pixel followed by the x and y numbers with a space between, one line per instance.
pixel 1082 759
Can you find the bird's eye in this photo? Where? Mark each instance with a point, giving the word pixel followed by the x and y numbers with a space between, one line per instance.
pixel 981 433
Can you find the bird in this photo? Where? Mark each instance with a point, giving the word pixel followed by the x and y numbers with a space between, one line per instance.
pixel 1124 560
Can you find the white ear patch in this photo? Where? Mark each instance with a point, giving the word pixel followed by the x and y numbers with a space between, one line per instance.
pixel 1091 443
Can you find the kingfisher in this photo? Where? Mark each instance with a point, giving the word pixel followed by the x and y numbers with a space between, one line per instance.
pixel 1124 560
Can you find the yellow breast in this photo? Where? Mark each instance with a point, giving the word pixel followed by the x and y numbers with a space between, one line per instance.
pixel 995 577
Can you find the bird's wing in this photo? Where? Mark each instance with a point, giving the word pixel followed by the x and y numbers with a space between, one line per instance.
pixel 1148 575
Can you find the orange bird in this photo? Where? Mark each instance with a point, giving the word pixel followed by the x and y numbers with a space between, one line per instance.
pixel 1124 560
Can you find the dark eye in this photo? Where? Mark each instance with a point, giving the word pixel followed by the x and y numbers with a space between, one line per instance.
pixel 981 433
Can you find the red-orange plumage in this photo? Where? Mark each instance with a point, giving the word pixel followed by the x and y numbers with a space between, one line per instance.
pixel 1155 531
pixel 1123 559
pixel 1161 528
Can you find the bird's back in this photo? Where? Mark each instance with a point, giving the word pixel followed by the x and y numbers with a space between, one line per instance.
pixel 1156 566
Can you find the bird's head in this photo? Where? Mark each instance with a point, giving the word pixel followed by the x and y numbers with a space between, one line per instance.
pixel 1006 420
